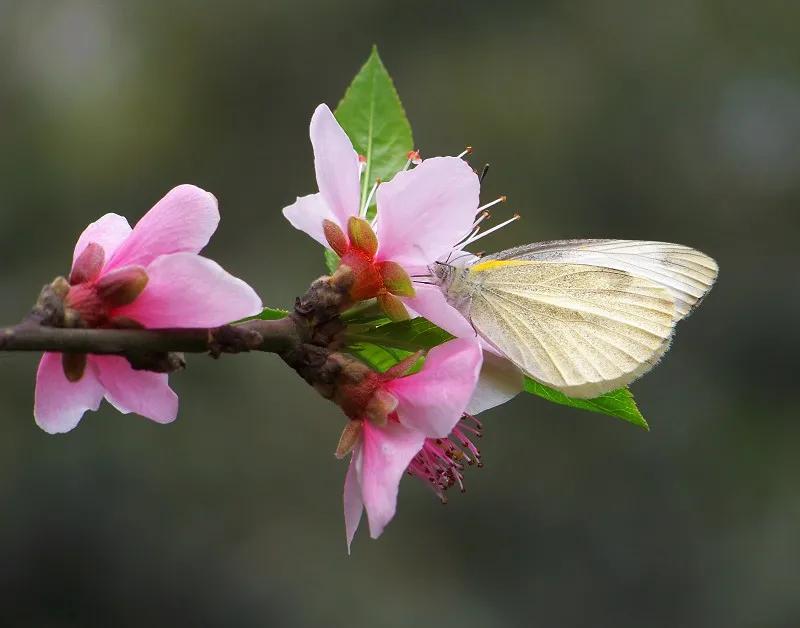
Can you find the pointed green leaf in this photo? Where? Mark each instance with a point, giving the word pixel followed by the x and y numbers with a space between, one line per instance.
pixel 617 403
pixel 378 357
pixel 373 117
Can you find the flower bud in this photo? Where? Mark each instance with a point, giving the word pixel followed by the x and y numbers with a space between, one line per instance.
pixel 88 265
pixel 121 287
pixel 396 279
pixel 335 237
pixel 393 307
pixel 362 236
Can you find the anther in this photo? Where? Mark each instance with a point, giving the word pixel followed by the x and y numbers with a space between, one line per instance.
pixel 466 151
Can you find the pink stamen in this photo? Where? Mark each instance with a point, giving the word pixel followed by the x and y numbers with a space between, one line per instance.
pixel 441 461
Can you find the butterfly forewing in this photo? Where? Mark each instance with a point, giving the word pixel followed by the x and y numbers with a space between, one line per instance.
pixel 686 273
pixel 584 330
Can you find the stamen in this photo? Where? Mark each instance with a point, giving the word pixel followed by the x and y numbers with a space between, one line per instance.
pixel 441 462
pixel 466 151
pixel 414 157
pixel 483 217
pixel 473 237
pixel 363 212
pixel 501 199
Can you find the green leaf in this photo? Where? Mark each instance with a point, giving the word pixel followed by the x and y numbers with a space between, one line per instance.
pixel 617 403
pixel 272 314
pixel 373 118
pixel 331 261
pixel 377 357
pixel 413 335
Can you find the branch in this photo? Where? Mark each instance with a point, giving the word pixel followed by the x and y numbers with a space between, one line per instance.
pixel 274 336
pixel 309 339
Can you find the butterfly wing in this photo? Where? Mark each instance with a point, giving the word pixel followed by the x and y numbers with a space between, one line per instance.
pixel 686 273
pixel 584 330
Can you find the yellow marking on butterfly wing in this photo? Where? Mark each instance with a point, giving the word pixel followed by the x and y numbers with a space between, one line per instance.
pixel 584 330
pixel 493 265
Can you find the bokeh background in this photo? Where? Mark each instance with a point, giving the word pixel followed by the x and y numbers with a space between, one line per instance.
pixel 676 121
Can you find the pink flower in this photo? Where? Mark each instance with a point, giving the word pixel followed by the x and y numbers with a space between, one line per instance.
pixel 422 213
pixel 149 276
pixel 398 418
pixel 426 214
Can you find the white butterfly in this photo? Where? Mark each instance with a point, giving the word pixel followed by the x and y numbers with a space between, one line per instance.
pixel 581 316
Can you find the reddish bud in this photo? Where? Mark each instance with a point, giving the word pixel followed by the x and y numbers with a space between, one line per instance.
pixel 74 365
pixel 88 265
pixel 350 435
pixel 121 287
pixel 335 237
pixel 414 157
pixel 396 279
pixel 362 236
pixel 393 307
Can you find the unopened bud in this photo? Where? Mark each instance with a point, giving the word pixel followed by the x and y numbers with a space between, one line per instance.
pixel 88 265
pixel 396 279
pixel 335 237
pixel 350 435
pixel 74 366
pixel 121 287
pixel 393 307
pixel 362 236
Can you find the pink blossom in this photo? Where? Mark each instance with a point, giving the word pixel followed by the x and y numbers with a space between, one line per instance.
pixel 422 213
pixel 425 215
pixel 425 405
pixel 149 276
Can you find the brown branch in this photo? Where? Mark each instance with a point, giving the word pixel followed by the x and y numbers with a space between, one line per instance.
pixel 309 339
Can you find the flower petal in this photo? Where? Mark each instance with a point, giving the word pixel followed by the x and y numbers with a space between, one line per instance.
pixel 424 212
pixel 499 381
pixel 59 404
pixel 429 301
pixel 336 165
pixel 184 220
pixel 385 454
pixel 433 400
pixel 307 214
pixel 353 506
pixel 109 232
pixel 142 392
pixel 186 290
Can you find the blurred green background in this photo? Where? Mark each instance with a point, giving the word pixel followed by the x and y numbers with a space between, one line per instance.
pixel 675 121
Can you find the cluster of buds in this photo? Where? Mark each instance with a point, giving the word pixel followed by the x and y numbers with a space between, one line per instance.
pixel 384 281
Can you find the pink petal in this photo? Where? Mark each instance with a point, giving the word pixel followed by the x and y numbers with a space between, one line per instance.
pixel 429 301
pixel 59 404
pixel 186 290
pixel 184 220
pixel 386 453
pixel 353 506
pixel 307 214
pixel 336 164
pixel 424 212
pixel 109 232
pixel 499 382
pixel 142 392
pixel 433 400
